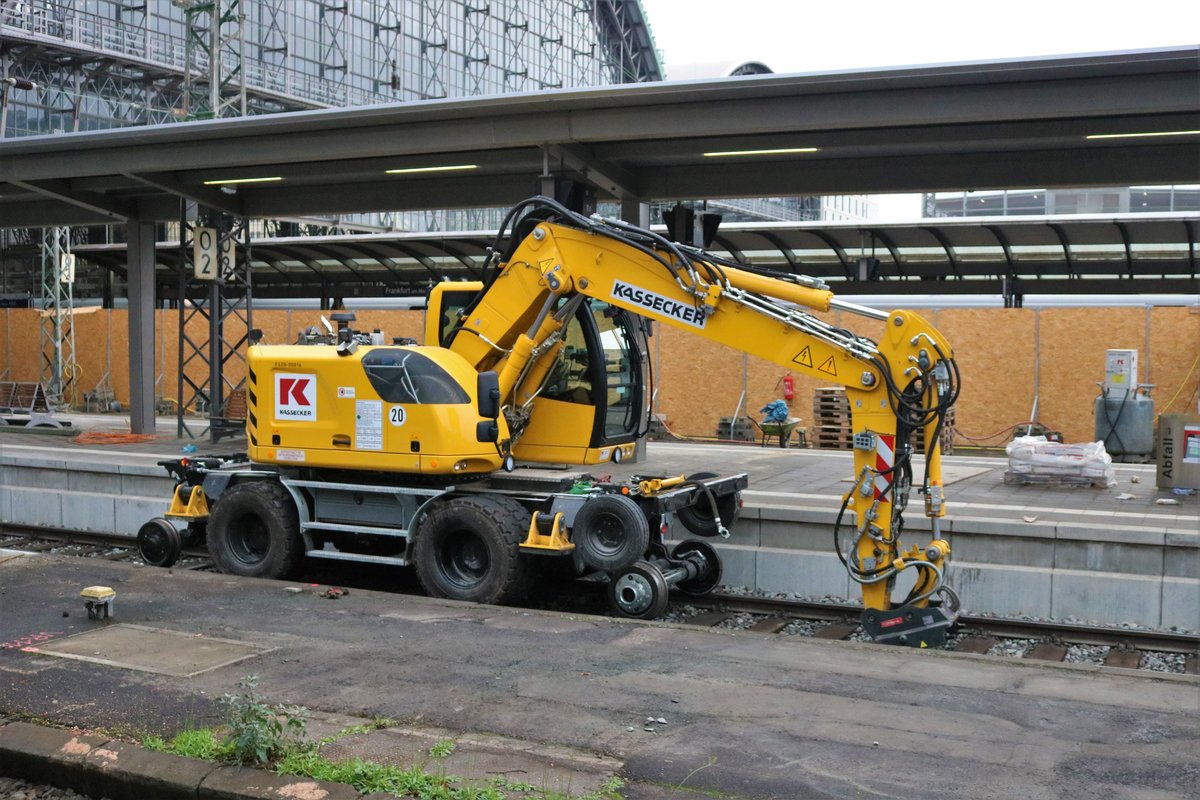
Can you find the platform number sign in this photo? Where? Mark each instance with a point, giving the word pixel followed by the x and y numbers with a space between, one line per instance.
pixel 213 257
pixel 66 272
pixel 204 254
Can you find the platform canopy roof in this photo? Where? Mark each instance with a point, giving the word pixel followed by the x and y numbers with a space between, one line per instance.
pixel 1004 124
pixel 1109 254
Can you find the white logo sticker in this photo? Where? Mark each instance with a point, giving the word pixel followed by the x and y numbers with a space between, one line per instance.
pixel 659 304
pixel 295 396
pixel 396 415
pixel 346 391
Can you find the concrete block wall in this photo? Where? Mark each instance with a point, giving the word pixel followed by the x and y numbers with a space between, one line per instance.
pixel 83 493
pixel 1148 575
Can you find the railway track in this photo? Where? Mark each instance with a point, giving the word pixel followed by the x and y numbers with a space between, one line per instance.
pixel 87 544
pixel 1041 640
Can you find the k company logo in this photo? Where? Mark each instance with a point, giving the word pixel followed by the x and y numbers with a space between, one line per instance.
pixel 295 396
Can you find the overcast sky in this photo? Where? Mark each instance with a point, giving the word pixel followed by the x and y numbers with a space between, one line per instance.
pixel 800 36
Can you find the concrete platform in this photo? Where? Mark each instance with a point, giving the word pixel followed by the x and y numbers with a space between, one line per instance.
pixel 1018 550
pixel 748 715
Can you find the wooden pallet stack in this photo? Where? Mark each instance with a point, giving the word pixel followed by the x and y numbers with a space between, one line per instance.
pixel 918 439
pixel 832 429
pixel 831 426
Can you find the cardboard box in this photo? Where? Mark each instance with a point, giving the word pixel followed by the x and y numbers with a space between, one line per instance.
pixel 1179 451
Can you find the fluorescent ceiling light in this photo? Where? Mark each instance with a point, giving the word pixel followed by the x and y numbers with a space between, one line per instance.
pixel 778 151
pixel 228 181
pixel 1139 135
pixel 448 168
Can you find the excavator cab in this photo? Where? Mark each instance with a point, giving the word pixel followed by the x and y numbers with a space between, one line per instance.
pixel 589 402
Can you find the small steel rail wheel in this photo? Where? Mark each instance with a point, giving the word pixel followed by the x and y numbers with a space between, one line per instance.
pixel 610 532
pixel 639 591
pixel 159 542
pixel 710 573
pixel 254 531
pixel 699 518
pixel 469 548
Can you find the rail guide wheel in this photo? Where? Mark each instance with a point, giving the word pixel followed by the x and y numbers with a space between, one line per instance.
pixel 159 542
pixel 639 591
pixel 706 563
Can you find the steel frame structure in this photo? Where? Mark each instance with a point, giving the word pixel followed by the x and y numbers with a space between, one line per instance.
pixel 57 330
pixel 222 311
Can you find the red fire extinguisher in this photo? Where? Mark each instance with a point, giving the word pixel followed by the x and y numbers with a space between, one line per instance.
pixel 789 387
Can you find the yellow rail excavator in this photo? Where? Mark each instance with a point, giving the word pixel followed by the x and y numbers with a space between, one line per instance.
pixel 399 453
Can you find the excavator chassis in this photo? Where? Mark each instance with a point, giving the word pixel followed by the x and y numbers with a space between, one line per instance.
pixel 280 516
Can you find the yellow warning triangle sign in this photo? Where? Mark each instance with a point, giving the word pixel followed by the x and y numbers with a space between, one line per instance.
pixel 828 367
pixel 804 358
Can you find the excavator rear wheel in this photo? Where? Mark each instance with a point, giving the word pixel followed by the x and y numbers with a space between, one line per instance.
pixel 469 548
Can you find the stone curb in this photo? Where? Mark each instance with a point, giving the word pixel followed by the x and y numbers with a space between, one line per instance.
pixel 100 767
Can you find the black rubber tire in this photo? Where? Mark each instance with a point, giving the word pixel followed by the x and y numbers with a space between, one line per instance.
pixel 639 591
pixel 254 531
pixel 699 519
pixel 610 532
pixel 159 542
pixel 705 582
pixel 469 548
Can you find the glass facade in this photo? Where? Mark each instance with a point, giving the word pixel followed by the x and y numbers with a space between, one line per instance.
pixel 1016 202
pixel 110 63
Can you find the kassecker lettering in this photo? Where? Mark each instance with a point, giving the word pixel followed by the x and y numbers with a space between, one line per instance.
pixel 651 301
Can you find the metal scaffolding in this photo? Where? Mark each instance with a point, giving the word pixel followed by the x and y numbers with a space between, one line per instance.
pixel 214 59
pixel 58 370
pixel 215 317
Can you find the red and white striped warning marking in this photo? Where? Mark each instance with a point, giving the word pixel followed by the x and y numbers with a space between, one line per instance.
pixel 885 457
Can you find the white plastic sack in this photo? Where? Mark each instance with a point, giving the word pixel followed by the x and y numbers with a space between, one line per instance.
pixel 1033 455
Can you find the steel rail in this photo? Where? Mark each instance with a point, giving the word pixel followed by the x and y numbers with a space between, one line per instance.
pixel 1072 632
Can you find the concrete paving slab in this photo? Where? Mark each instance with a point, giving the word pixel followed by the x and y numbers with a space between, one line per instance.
pixel 165 652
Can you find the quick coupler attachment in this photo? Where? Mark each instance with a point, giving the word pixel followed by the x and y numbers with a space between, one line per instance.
pixel 913 626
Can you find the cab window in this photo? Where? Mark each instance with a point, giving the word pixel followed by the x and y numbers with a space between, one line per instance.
pixel 399 375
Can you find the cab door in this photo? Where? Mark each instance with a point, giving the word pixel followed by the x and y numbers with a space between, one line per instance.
pixel 593 400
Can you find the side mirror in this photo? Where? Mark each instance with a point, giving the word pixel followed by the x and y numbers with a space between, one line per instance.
pixel 487 430
pixel 488 391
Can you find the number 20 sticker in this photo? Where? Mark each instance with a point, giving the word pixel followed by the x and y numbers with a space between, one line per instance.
pixel 396 415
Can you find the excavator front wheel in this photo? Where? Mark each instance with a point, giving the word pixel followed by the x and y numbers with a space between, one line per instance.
pixel 469 548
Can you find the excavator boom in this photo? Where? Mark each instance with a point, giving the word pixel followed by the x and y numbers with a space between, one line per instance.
pixel 562 267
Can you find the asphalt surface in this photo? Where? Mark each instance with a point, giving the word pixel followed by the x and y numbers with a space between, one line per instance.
pixel 748 715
